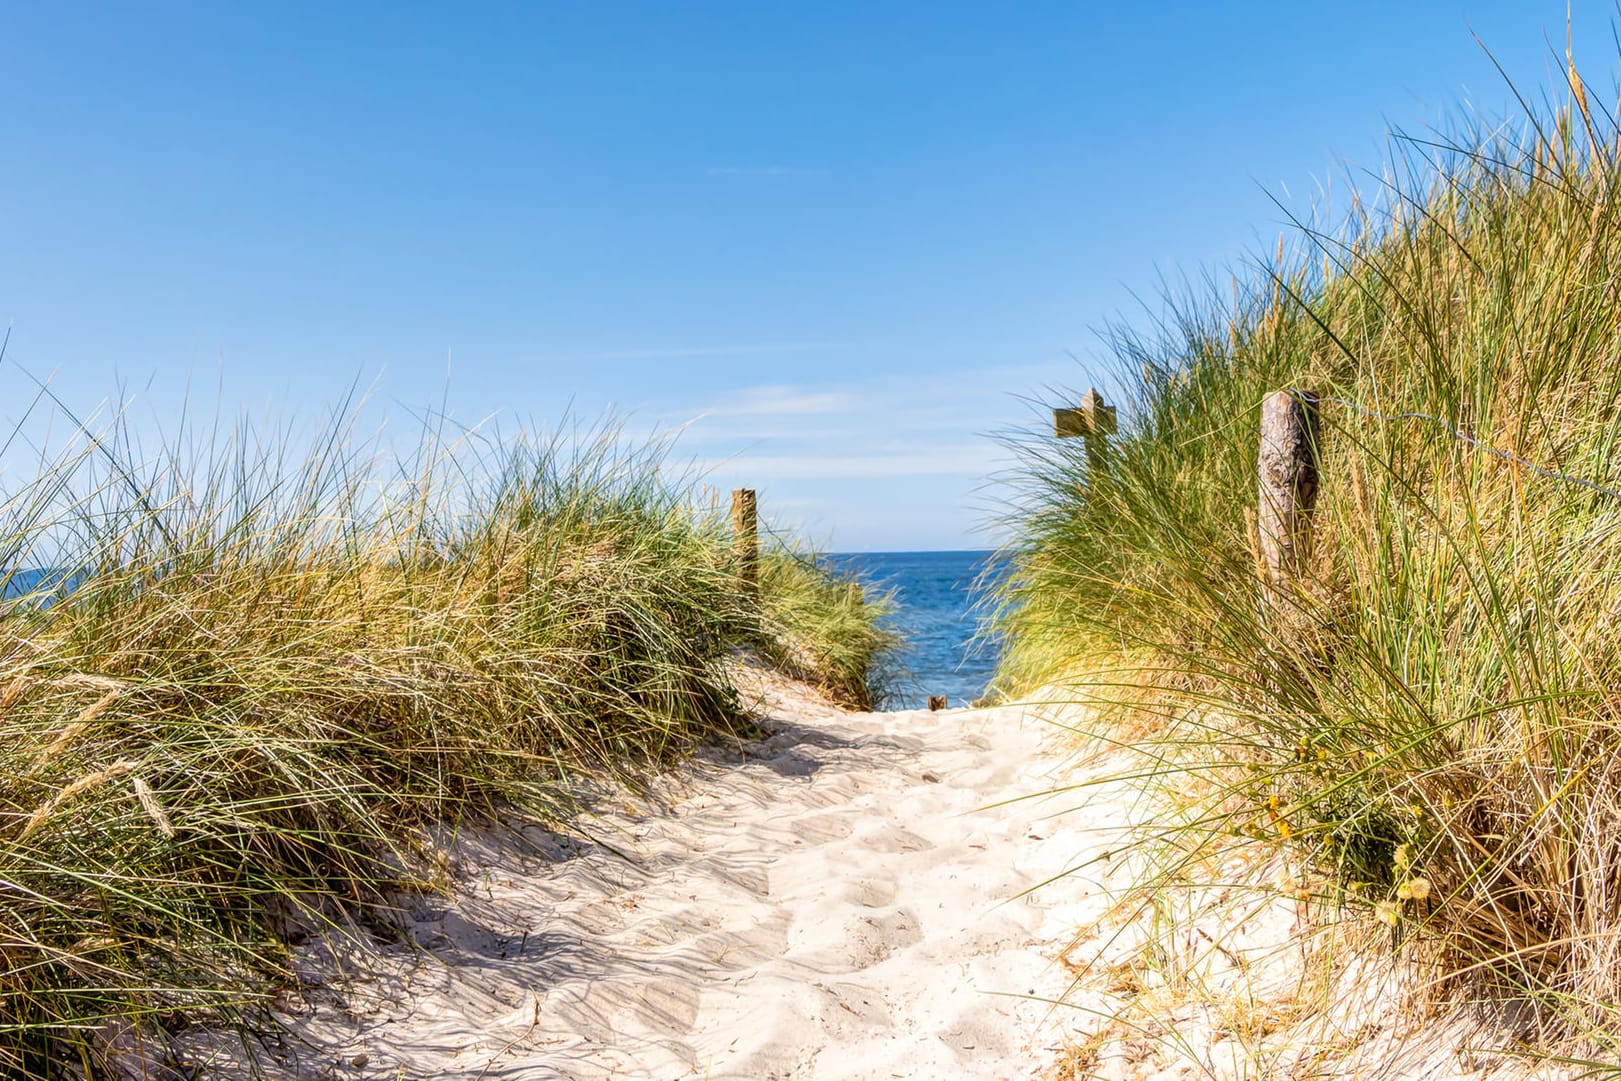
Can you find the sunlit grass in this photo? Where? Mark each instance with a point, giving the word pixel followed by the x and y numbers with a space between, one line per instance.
pixel 1431 713
pixel 264 674
pixel 824 629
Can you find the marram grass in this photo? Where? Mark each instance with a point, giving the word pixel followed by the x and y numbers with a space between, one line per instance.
pixel 266 676
pixel 823 628
pixel 1433 715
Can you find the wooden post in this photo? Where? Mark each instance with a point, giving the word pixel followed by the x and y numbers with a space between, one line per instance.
pixel 1289 466
pixel 1093 421
pixel 937 702
pixel 746 536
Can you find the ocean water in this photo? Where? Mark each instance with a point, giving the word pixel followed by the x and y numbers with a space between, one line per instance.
pixel 21 583
pixel 934 598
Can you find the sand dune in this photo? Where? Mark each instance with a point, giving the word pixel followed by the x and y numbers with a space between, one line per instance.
pixel 870 896
pixel 844 899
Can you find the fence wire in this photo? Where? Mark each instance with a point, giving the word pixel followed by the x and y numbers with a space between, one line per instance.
pixel 1464 437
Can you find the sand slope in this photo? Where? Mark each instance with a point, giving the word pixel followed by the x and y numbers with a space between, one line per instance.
pixel 836 901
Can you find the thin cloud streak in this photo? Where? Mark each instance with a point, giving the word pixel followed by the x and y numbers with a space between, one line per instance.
pixel 950 461
pixel 683 352
pixel 973 402
pixel 780 401
pixel 762 170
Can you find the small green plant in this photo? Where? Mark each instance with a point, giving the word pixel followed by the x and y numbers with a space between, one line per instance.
pixel 1431 713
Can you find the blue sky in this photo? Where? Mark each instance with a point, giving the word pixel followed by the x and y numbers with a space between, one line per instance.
pixel 841 245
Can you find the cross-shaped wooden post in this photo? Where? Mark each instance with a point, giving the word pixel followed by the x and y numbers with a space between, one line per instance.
pixel 1094 420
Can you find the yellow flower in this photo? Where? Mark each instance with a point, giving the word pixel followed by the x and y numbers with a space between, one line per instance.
pixel 1388 912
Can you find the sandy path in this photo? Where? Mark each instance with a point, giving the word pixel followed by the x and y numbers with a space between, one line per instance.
pixel 837 902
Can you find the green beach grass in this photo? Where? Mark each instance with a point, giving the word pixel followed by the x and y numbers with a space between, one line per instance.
pixel 823 628
pixel 1431 717
pixel 276 671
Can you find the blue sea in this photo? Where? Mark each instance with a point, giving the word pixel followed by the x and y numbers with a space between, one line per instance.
pixel 22 583
pixel 934 595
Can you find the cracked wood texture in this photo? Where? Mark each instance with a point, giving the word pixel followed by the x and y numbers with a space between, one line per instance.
pixel 1288 483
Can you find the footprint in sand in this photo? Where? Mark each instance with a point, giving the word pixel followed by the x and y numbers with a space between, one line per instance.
pixel 668 1007
pixel 757 937
pixel 724 952
pixel 864 1003
pixel 822 829
pixel 870 939
pixel 752 880
pixel 895 840
pixel 872 892
pixel 599 919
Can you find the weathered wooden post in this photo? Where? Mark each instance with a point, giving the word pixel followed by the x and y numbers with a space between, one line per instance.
pixel 746 536
pixel 1289 466
pixel 1093 421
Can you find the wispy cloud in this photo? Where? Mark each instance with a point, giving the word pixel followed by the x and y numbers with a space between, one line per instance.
pixel 866 413
pixel 965 460
pixel 782 401
pixel 682 352
pixel 762 170
pixel 895 459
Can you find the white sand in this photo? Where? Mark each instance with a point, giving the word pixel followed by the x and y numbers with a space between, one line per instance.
pixel 843 900
pixel 869 895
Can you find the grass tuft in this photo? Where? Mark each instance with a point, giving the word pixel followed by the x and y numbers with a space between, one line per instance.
pixel 824 628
